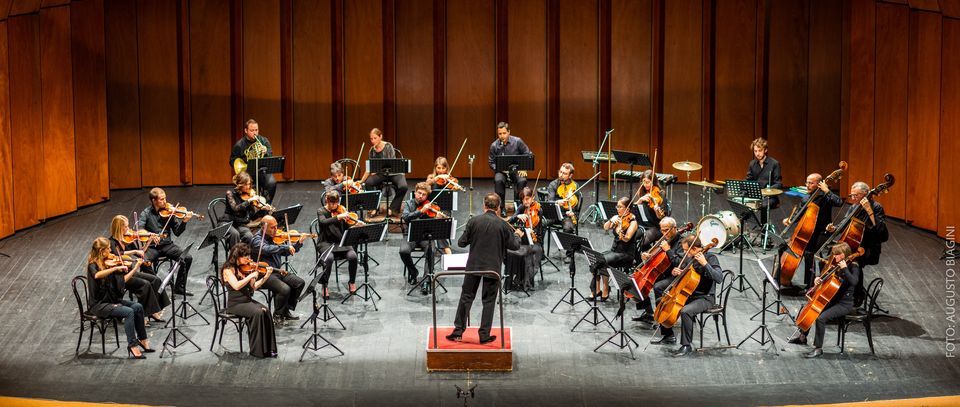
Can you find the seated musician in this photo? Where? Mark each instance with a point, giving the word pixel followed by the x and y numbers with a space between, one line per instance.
pixel 704 296
pixel 243 207
pixel 875 233
pixel 557 191
pixel 826 200
pixel 107 284
pixel 383 149
pixel 340 182
pixel 240 288
pixel 145 284
pixel 285 288
pixel 505 144
pixel 162 226
pixel 766 171
pixel 621 254
pixel 441 175
pixel 413 209
pixel 253 145
pixel 332 221
pixel 652 204
pixel 842 302
pixel 668 228
pixel 522 264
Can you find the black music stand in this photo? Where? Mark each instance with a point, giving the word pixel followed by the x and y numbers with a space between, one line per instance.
pixel 288 216
pixel 443 198
pixel 623 284
pixel 266 165
pixel 185 305
pixel 551 211
pixel 361 203
pixel 569 242
pixel 359 237
pixel 593 257
pixel 742 190
pixel 176 338
pixel 388 166
pixel 778 303
pixel 608 209
pixel 429 230
pixel 594 158
pixel 313 342
pixel 214 237
pixel 765 335
pixel 511 163
pixel 632 158
pixel 741 211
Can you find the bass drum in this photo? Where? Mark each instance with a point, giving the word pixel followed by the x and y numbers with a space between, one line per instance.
pixel 724 226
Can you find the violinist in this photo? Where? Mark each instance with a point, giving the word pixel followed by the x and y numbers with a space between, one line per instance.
pixel 154 221
pixel 826 200
pixel 703 298
pixel 505 144
pixel 558 190
pixel 621 254
pixel 383 149
pixel 766 171
pixel 441 176
pixel 332 219
pixel 668 228
pixel 523 262
pixel 419 207
pixel 340 182
pixel 254 146
pixel 145 284
pixel 243 207
pixel 842 302
pixel 107 283
pixel 875 233
pixel 286 288
pixel 240 287
pixel 652 204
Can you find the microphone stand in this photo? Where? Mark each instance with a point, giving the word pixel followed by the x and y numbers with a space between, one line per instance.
pixel 593 211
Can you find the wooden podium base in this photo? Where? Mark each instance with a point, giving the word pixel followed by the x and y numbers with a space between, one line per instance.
pixel 469 355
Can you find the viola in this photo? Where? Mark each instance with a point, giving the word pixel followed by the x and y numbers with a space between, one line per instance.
pixel 141 235
pixel 178 211
pixel 647 273
pixel 569 197
pixel 676 295
pixel 292 236
pixel 656 201
pixel 821 295
pixel 803 232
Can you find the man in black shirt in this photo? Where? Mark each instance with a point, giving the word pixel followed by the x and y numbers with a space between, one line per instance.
pixel 286 288
pixel 766 171
pixel 670 238
pixel 564 177
pixel 253 145
pixel 152 222
pixel 505 144
pixel 875 232
pixel 826 200
pixel 489 239
pixel 413 210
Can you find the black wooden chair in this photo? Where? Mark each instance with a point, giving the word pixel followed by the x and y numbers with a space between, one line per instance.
pixel 79 283
pixel 863 315
pixel 219 295
pixel 719 311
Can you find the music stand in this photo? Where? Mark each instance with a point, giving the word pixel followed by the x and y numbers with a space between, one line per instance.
pixel 444 198
pixel 593 257
pixel 388 166
pixel 176 338
pixel 608 209
pixel 765 335
pixel 267 165
pixel 313 342
pixel 571 243
pixel 288 216
pixel 214 237
pixel 742 191
pixel 594 158
pixel 623 284
pixel 430 230
pixel 359 237
pixel 778 302
pixel 632 158
pixel 550 211
pixel 361 203
pixel 741 211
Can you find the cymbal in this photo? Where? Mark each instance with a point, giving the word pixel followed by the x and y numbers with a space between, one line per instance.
pixel 720 182
pixel 706 184
pixel 687 166
pixel 771 191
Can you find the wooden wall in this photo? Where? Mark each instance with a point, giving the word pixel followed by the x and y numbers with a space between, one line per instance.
pixel 163 87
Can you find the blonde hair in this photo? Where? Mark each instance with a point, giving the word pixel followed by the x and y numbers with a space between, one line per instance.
pixel 117 226
pixel 759 142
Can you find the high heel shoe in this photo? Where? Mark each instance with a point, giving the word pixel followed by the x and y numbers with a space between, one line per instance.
pixel 133 355
pixel 156 319
pixel 146 349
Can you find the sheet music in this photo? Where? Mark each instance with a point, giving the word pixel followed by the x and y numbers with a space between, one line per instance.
pixel 453 229
pixel 643 214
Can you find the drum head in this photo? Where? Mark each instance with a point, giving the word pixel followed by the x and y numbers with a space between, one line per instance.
pixel 712 227
pixel 730 222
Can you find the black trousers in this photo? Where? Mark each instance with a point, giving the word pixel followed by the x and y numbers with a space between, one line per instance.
pixel 351 258
pixel 263 339
pixel 610 259
pixel 267 184
pixel 649 237
pixel 374 182
pixel 146 287
pixel 286 290
pixel 406 255
pixel 175 253
pixel 467 293
pixel 659 287
pixel 837 310
pixel 500 186
pixel 688 317
pixel 237 234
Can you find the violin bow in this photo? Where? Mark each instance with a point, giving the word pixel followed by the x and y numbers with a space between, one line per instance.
pixel 354 175
pixel 462 145
pixel 286 224
pixel 537 182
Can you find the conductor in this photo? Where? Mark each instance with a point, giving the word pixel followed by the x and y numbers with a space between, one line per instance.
pixel 489 238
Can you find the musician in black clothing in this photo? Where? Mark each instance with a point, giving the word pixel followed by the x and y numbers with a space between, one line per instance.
pixel 766 171
pixel 413 209
pixel 621 254
pixel 145 284
pixel 875 220
pixel 522 264
pixel 253 145
pixel 240 286
pixel 285 288
pixel 668 227
pixel 842 302
pixel 153 222
pixel 330 226
pixel 107 284
pixel 704 296
pixel 826 200
pixel 383 149
pixel 505 144
pixel 337 181
pixel 489 238
pixel 240 212
pixel 564 177
pixel 650 208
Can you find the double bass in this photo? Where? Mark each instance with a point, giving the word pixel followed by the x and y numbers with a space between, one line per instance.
pixel 821 295
pixel 647 273
pixel 676 295
pixel 805 221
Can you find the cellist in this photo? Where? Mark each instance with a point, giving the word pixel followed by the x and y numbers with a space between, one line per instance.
pixel 668 227
pixel 826 201
pixel 840 305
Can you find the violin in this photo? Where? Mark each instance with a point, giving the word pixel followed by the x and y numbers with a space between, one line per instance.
pixel 352 187
pixel 454 183
pixel 656 201
pixel 430 209
pixel 112 260
pixel 292 236
pixel 623 225
pixel 533 219
pixel 352 217
pixel 257 201
pixel 259 268
pixel 141 235
pixel 179 211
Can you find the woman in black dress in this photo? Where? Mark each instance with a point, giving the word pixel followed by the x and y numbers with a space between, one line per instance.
pixel 107 283
pixel 241 286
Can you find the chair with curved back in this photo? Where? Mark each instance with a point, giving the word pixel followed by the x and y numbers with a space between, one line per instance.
pixel 719 311
pixel 86 317
pixel 218 293
pixel 864 315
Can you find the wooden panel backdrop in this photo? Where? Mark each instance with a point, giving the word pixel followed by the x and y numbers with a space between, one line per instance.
pixel 312 89
pixel 159 98
pixel 579 78
pixel 736 24
pixel 89 101
pixel 526 81
pixel 949 182
pixel 682 83
pixel 6 149
pixel 123 96
pixel 261 71
pixel 414 87
pixel 923 119
pixel 59 176
pixel 363 75
pixel 26 119
pixel 210 69
pixel 631 48
pixel 889 154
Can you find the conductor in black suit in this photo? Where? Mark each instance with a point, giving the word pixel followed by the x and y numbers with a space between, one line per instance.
pixel 489 238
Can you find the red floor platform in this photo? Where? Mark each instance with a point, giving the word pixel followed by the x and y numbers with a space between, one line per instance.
pixel 469 354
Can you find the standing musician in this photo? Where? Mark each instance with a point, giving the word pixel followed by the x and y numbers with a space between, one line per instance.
pixel 668 228
pixel 505 144
pixel 332 220
pixel 875 220
pixel 441 176
pixel 704 296
pixel 842 302
pixel 621 254
pixel 558 190
pixel 489 238
pixel 524 261
pixel 286 288
pixel 252 145
pixel 827 201
pixel 107 278
pixel 241 285
pixel 383 149
pixel 419 207
pixel 153 221
pixel 653 205
pixel 243 206
pixel 766 171
pixel 145 284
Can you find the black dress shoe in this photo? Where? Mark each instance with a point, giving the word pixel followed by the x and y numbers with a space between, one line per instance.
pixel 455 337
pixel 290 317
pixel 815 353
pixel 669 339
pixel 683 351
pixel 800 339
pixel 488 339
pixel 645 318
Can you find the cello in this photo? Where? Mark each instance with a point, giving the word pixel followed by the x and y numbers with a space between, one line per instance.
pixel 852 228
pixel 647 273
pixel 805 221
pixel 676 295
pixel 821 295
